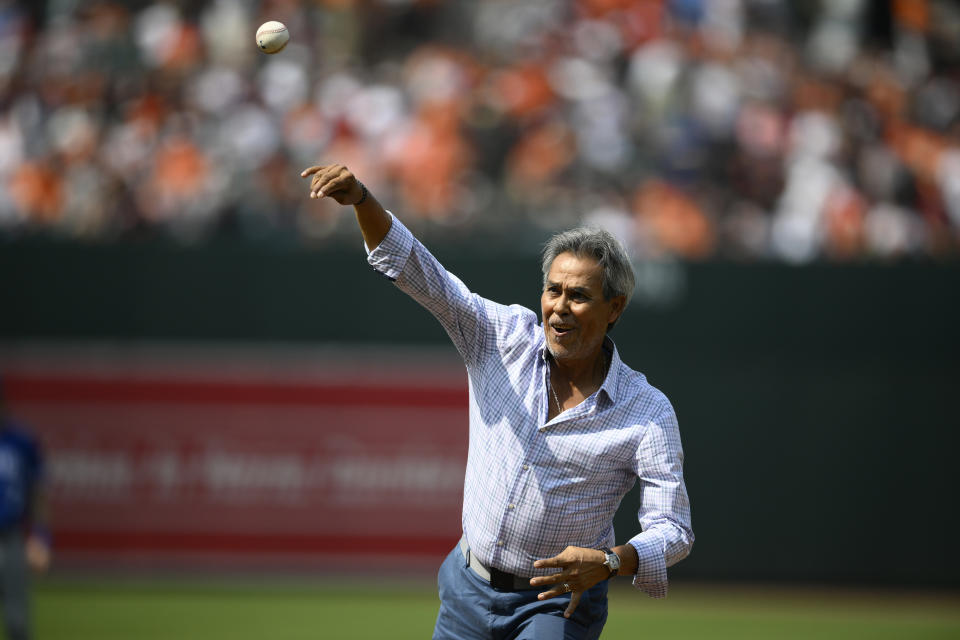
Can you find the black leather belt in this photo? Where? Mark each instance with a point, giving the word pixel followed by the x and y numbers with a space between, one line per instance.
pixel 499 580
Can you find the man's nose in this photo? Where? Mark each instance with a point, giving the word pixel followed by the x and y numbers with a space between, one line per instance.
pixel 562 304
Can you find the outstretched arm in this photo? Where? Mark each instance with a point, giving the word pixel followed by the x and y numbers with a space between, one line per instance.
pixel 396 254
pixel 337 182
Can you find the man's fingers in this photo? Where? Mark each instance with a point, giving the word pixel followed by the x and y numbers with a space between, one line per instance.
pixel 327 179
pixel 563 559
pixel 318 186
pixel 335 185
pixel 310 171
pixel 320 179
pixel 547 563
pixel 552 579
pixel 557 590
pixel 574 601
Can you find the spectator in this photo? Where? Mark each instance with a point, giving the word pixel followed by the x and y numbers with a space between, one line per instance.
pixel 771 130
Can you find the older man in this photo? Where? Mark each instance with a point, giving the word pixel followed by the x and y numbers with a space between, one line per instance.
pixel 560 430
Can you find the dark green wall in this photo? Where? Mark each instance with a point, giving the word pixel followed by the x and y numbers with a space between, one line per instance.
pixel 817 404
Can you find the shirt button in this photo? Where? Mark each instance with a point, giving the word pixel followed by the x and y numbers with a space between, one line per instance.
pixel 499 543
pixel 511 506
pixel 526 467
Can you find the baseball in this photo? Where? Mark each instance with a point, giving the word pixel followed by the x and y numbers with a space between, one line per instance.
pixel 272 36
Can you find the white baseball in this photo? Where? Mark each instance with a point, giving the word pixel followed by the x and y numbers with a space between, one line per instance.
pixel 272 36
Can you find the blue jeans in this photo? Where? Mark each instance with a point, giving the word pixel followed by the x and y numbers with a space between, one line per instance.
pixel 470 609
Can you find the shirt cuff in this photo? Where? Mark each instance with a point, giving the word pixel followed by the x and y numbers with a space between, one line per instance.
pixel 390 256
pixel 651 576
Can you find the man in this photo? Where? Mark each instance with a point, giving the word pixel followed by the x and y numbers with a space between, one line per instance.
pixel 560 430
pixel 24 536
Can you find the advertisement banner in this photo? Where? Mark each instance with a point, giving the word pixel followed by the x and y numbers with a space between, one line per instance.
pixel 161 457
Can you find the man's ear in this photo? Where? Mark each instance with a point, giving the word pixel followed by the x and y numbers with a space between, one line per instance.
pixel 617 305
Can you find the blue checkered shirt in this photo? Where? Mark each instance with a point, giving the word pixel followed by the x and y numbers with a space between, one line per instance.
pixel 534 486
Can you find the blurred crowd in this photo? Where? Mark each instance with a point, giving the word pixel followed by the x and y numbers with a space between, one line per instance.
pixel 794 130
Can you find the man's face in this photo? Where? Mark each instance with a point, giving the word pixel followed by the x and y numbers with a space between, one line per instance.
pixel 575 313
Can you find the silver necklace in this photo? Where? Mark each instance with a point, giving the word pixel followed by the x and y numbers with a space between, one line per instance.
pixel 556 398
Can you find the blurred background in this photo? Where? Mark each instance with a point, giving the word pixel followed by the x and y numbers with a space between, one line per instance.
pixel 225 389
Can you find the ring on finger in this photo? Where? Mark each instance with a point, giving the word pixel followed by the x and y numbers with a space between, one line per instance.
pixel 566 587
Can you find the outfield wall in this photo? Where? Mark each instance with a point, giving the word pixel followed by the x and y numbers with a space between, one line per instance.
pixel 815 403
pixel 245 458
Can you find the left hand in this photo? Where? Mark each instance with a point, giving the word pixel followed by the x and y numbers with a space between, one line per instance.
pixel 580 569
pixel 38 554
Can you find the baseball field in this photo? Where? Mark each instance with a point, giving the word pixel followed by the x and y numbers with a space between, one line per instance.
pixel 82 609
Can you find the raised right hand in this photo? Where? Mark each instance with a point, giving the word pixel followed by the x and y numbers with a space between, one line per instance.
pixel 334 181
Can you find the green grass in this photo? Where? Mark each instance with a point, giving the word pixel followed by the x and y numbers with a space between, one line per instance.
pixel 122 609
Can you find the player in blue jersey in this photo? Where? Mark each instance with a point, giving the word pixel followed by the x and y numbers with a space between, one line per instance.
pixel 24 535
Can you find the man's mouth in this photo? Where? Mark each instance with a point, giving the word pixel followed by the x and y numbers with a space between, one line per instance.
pixel 561 329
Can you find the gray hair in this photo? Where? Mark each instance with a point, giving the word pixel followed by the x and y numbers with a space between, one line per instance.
pixel 618 278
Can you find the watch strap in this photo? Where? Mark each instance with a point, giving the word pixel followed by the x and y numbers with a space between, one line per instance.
pixel 609 562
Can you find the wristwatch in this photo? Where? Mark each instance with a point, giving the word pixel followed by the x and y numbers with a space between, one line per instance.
pixel 612 562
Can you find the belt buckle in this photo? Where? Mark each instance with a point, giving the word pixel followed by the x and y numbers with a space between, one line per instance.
pixel 501 580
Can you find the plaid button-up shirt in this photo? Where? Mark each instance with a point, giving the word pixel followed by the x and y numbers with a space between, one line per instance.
pixel 534 486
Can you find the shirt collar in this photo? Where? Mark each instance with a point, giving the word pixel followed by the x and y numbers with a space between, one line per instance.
pixel 612 381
